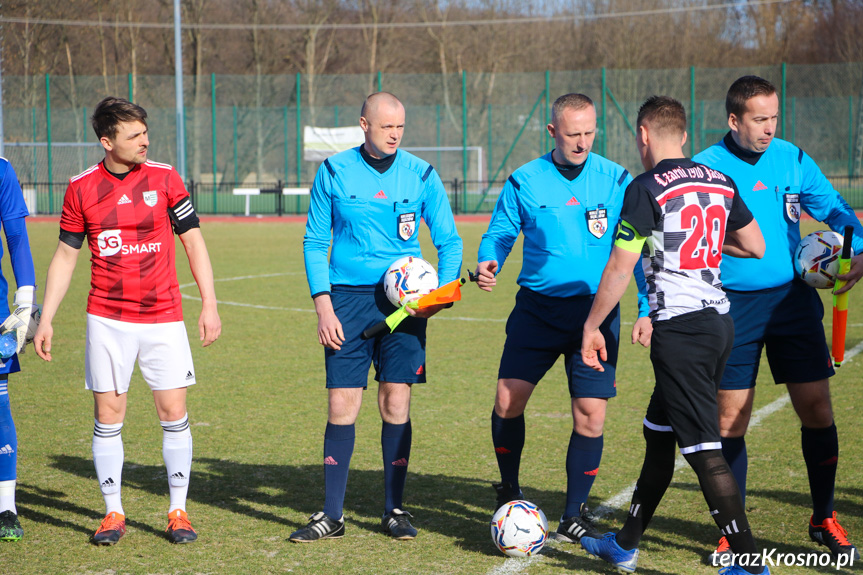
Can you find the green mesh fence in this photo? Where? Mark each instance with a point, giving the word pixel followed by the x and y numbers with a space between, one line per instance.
pixel 246 131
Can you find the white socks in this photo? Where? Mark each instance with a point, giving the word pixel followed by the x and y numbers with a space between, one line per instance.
pixel 108 459
pixel 177 452
pixel 7 496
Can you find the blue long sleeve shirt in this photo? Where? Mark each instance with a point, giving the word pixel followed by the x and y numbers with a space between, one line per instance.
pixel 372 219
pixel 782 181
pixel 13 210
pixel 568 226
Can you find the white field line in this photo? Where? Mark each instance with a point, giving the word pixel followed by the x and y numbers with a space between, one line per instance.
pixel 306 310
pixel 616 501
pixel 513 566
pixel 299 309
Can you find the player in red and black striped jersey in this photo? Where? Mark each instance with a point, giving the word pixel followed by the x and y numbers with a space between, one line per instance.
pixel 127 221
pixel 128 209
pixel 679 217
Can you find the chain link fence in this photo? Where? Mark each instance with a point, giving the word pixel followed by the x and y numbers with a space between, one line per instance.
pixel 246 131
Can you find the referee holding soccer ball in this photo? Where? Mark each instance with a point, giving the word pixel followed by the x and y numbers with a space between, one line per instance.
pixel 368 201
pixel 772 309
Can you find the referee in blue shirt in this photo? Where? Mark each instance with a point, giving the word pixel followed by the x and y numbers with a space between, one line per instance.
pixel 772 309
pixel 367 202
pixel 565 203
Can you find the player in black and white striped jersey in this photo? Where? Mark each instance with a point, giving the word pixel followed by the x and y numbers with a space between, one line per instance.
pixel 679 217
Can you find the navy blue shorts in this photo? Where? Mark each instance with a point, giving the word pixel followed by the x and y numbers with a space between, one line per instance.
pixel 541 328
pixel 787 320
pixel 398 357
pixel 688 353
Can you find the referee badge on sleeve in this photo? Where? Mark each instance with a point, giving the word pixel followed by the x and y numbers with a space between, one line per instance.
pixel 597 221
pixel 407 225
pixel 792 207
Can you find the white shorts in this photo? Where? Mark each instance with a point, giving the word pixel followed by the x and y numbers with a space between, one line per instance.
pixel 162 351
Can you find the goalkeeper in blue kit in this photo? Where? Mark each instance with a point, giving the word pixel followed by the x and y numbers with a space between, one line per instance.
pixel 772 309
pixel 23 323
pixel 368 202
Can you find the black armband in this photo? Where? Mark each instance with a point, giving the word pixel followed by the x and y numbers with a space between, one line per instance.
pixel 183 216
pixel 72 239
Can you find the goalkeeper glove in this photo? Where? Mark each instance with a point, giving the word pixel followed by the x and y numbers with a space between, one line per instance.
pixel 25 319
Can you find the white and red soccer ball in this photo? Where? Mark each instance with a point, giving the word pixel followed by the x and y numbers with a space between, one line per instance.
pixel 817 258
pixel 519 529
pixel 409 278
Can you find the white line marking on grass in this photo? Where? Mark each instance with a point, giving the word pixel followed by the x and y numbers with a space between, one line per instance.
pixel 513 565
pixel 238 278
pixel 297 309
pixel 615 502
pixel 457 318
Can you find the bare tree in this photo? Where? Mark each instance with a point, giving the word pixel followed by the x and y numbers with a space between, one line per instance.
pixel 435 15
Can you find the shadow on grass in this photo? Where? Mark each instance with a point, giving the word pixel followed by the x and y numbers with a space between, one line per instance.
pixel 28 496
pixel 452 506
pixel 455 507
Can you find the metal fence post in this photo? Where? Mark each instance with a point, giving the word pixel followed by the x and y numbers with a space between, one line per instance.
pixel 437 132
pixel 464 124
pixel 48 137
pixel 782 110
pixel 285 128
pixel 213 106
pixel 33 124
pixel 455 196
pixel 193 193
pixel 604 116
pixel 299 129
pixel 279 209
pixel 850 138
pixel 691 111
pixel 546 114
pixel 489 163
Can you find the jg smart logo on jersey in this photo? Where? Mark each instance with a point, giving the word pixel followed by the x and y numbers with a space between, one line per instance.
pixel 111 243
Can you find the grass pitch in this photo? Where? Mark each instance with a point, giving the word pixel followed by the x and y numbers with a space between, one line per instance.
pixel 258 416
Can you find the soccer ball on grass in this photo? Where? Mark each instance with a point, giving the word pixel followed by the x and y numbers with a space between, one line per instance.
pixel 519 529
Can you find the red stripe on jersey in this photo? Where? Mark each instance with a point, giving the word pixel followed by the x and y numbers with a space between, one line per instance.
pixel 687 188
pixel 133 275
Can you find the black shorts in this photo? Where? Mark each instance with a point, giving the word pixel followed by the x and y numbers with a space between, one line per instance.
pixel 787 320
pixel 541 328
pixel 688 354
pixel 398 357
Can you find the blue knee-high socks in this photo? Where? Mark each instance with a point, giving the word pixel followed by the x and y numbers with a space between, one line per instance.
pixel 338 449
pixel 396 448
